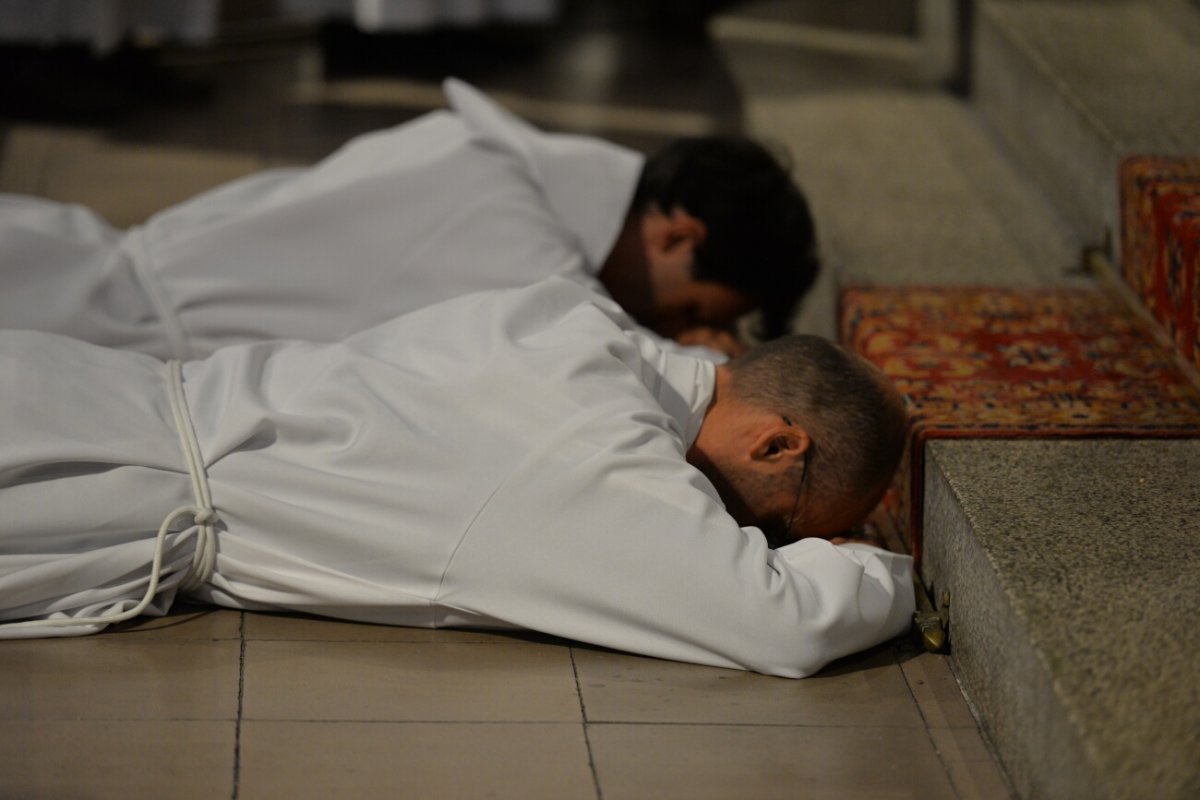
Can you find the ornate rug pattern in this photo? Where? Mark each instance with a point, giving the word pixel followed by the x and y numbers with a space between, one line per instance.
pixel 1160 230
pixel 1006 363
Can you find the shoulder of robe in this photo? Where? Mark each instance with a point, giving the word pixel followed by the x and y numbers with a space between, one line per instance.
pixel 586 182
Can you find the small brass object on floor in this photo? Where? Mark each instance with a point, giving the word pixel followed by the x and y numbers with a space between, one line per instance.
pixel 932 624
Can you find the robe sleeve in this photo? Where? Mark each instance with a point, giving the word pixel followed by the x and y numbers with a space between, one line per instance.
pixel 629 548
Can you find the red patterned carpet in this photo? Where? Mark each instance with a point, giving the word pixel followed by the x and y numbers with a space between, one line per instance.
pixel 1005 363
pixel 1160 258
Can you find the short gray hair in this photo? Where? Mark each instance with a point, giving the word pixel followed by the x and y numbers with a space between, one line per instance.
pixel 854 417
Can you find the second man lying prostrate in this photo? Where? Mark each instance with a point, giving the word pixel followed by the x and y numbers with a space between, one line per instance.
pixel 456 201
pixel 517 459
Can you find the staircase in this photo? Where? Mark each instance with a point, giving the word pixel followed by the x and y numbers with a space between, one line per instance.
pixel 1070 87
pixel 1072 567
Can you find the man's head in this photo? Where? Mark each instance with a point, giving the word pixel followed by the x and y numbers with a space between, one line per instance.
pixel 720 228
pixel 802 437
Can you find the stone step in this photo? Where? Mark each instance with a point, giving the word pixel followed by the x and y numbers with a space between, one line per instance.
pixel 1071 86
pixel 1071 565
pixel 907 186
pixel 1073 570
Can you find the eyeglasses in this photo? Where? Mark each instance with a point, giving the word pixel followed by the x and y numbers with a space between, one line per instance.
pixel 799 489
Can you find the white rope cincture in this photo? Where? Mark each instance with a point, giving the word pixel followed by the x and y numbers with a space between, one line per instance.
pixel 143 267
pixel 203 515
pixel 204 560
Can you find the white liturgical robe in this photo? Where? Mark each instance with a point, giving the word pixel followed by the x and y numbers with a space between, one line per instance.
pixel 508 459
pixel 456 201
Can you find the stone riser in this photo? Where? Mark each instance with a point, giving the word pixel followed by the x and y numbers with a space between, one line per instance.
pixel 1072 159
pixel 1072 87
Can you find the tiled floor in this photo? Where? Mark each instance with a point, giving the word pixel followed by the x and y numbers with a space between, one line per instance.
pixel 212 704
pixel 215 704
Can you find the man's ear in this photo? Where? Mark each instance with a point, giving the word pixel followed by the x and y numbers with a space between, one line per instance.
pixel 779 442
pixel 684 229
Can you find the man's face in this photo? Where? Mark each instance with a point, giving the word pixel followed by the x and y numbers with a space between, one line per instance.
pixel 753 500
pixel 676 302
pixel 752 497
pixel 678 305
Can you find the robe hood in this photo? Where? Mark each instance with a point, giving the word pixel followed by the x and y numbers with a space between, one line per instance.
pixel 589 184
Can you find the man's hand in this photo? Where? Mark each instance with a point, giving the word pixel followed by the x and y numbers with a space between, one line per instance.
pixel 722 341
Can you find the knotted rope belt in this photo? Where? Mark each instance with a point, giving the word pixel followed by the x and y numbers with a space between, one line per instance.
pixel 204 560
pixel 201 512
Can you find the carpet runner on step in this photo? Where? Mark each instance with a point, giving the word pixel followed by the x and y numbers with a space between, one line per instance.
pixel 1008 363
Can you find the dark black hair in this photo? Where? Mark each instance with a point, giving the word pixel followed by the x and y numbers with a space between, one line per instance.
pixel 761 238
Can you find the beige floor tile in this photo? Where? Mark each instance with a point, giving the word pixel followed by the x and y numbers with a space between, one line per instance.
pixel 455 761
pixel 296 628
pixel 395 681
pixel 60 760
pixel 695 762
pixel 184 623
pixel 125 182
pixel 23 159
pixel 973 770
pixel 868 690
pixel 118 678
pixel 937 693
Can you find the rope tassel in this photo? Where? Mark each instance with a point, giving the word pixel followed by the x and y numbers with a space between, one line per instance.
pixel 203 516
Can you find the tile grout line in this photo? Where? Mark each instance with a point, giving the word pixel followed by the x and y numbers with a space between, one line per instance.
pixel 925 726
pixel 241 695
pixel 550 722
pixel 43 173
pixel 587 739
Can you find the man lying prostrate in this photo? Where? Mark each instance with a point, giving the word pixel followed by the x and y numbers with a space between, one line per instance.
pixel 516 460
pixel 457 201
